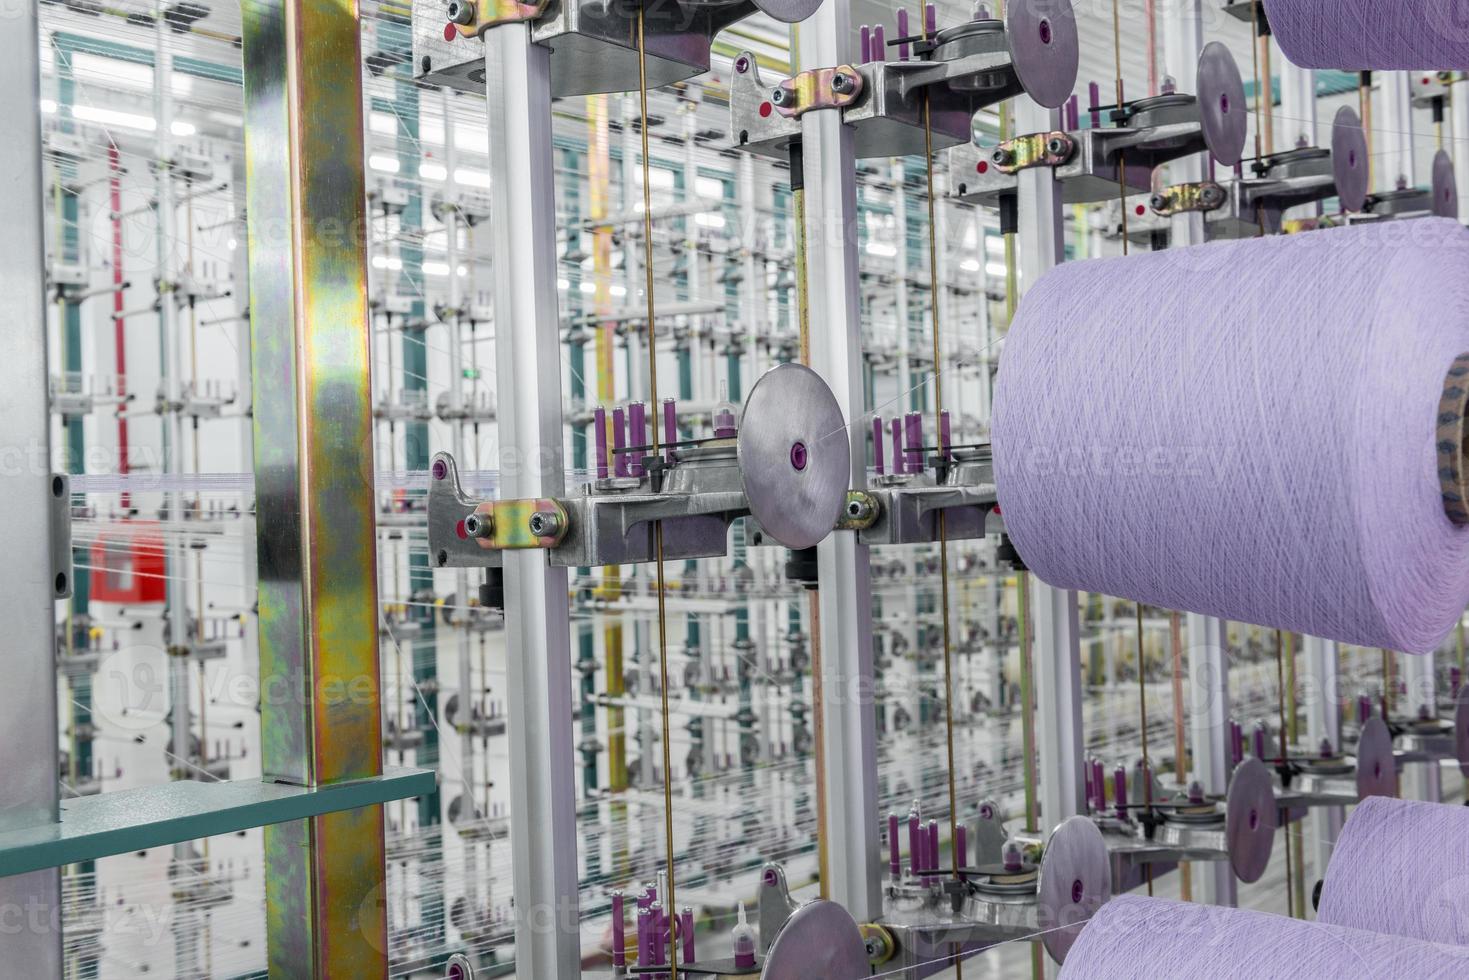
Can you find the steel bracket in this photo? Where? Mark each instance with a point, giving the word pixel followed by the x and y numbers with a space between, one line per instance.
pixel 471 18
pixel 1034 150
pixel 1203 196
pixel 61 571
pixel 817 88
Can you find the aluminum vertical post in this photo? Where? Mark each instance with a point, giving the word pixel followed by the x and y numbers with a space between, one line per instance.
pixel 1183 39
pixel 1459 130
pixel 843 564
pixel 1323 723
pixel 321 716
pixel 537 613
pixel 1057 648
pixel 1393 140
pixel 30 904
pixel 1208 718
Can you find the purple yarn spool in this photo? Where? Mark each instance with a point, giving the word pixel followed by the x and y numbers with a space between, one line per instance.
pixel 619 442
pixel 932 851
pixel 1073 109
pixel 902 33
pixel 1131 930
pixel 1360 550
pixel 1099 783
pixel 879 44
pixel 1378 35
pixel 637 435
pixel 1094 91
pixel 930 20
pixel 961 846
pixel 915 842
pixel 670 427
pixel 619 934
pixel 946 440
pixel 599 438
pixel 899 461
pixel 1119 791
pixel 913 436
pixel 645 936
pixel 865 43
pixel 686 934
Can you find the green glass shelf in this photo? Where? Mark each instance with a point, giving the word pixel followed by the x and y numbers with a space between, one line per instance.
pixel 151 816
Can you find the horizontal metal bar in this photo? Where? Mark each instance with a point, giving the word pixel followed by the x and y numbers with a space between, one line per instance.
pixel 92 827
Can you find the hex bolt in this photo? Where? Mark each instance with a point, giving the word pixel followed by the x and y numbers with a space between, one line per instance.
pixel 545 524
pixel 841 83
pixel 1002 155
pixel 779 96
pixel 859 509
pixel 1159 202
pixel 461 12
pixel 1055 146
pixel 479 525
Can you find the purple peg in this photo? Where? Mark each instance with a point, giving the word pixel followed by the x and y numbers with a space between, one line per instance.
pixel 930 20
pixel 1237 741
pixel 619 442
pixel 1119 791
pixel 877 444
pixel 895 847
pixel 866 43
pixel 981 11
pixel 670 427
pixel 619 934
pixel 913 436
pixel 1327 749
pixel 879 44
pixel 902 33
pixel 1455 677
pixel 1259 737
pixel 915 842
pixel 933 845
pixel 686 933
pixel 900 463
pixel 1012 857
pixel 1099 779
pixel 645 936
pixel 637 435
pixel 599 436
pixel 1094 92
pixel 946 440
pixel 961 846
pixel 1073 113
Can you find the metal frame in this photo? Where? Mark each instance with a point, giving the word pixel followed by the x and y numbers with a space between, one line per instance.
pixel 29 791
pixel 537 613
pixel 843 563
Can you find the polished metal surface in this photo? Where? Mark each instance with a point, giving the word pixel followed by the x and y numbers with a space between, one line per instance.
pixel 1250 817
pixel 316 536
pixel 1075 881
pixel 1349 161
pixel 795 456
pixel 1445 189
pixel 28 722
pixel 820 940
pixel 1222 106
pixel 1376 769
pixel 1044 48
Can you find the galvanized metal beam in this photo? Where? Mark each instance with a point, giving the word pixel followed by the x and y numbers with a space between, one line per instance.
pixel 30 904
pixel 849 730
pixel 537 613
pixel 320 713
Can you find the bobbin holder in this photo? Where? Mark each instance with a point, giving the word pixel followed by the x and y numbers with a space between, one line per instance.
pixel 908 505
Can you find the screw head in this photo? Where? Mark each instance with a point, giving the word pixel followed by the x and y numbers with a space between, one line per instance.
pixel 1002 156
pixel 544 524
pixel 841 83
pixel 1159 202
pixel 779 96
pixel 461 11
pixel 1055 146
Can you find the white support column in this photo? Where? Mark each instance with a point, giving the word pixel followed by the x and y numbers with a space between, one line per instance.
pixel 1323 724
pixel 1459 131
pixel 1393 139
pixel 1057 650
pixel 31 903
pixel 1421 780
pixel 850 738
pixel 1297 123
pixel 537 617
pixel 1183 39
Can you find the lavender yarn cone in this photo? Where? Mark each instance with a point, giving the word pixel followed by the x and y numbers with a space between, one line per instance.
pixel 1246 430
pixel 1357 35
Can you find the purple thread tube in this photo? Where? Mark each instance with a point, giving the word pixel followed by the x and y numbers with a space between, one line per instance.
pixel 658 930
pixel 645 936
pixel 1073 113
pixel 1456 677
pixel 961 846
pixel 1236 742
pixel 619 442
pixel 913 436
pixel 902 33
pixel 877 444
pixel 879 44
pixel 670 427
pixel 619 934
pixel 637 435
pixel 899 463
pixel 1094 92
pixel 1119 791
pixel 1259 736
pixel 931 19
pixel 895 847
pixel 686 933
pixel 866 43
pixel 1091 788
pixel 1364 709
pixel 981 11
pixel 946 438
pixel 933 845
pixel 599 437
pixel 915 843
pixel 1099 779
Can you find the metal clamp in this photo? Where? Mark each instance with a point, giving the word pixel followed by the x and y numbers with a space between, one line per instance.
pixel 471 18
pixel 1035 150
pixel 1203 196
pixel 61 536
pixel 817 88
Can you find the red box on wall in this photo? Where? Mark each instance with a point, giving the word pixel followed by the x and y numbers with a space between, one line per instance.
pixel 128 564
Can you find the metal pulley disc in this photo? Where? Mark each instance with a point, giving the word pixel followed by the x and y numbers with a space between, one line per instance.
pixel 1445 188
pixel 1044 49
pixel 795 458
pixel 1250 815
pixel 1222 107
pixel 820 939
pixel 1377 773
pixel 1076 880
pixel 1349 159
pixel 1461 729
pixel 788 11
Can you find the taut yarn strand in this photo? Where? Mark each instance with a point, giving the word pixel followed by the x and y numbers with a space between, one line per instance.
pixel 1357 35
pixel 1136 938
pixel 1246 430
pixel 1401 867
pixel 1372 34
